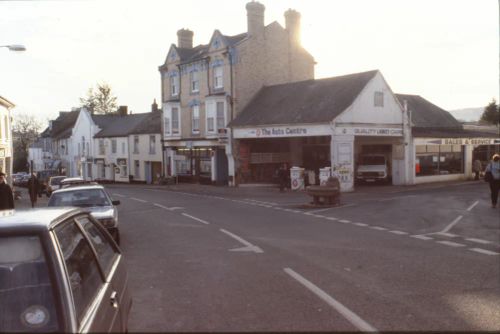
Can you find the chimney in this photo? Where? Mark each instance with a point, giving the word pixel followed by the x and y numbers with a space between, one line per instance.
pixel 122 110
pixel 154 106
pixel 255 18
pixel 292 25
pixel 185 39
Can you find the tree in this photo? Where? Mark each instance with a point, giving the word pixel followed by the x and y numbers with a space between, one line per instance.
pixel 25 130
pixel 491 114
pixel 99 101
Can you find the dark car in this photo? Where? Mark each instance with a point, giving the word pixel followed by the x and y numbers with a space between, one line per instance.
pixel 43 179
pixel 60 271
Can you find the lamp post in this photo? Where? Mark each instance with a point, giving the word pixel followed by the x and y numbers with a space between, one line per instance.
pixel 14 47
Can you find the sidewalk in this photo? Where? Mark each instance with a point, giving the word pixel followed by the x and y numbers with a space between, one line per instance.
pixel 24 202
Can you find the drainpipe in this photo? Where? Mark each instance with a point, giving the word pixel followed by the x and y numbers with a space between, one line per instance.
pixel 231 103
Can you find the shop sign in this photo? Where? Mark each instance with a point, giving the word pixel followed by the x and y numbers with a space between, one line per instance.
pixel 283 131
pixel 223 136
pixel 369 131
pixel 457 141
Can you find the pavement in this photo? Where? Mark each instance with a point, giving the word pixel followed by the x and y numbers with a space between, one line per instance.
pixel 204 258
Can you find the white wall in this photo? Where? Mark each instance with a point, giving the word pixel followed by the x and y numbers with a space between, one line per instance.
pixel 144 154
pixel 111 158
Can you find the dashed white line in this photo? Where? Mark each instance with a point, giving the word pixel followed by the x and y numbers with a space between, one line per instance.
pixel 194 218
pixel 308 213
pixel 321 210
pixel 398 232
pixel 450 243
pixel 360 224
pixel 161 206
pixel 345 221
pixel 119 195
pixel 453 223
pixel 421 237
pixel 332 218
pixel 479 241
pixel 378 228
pixel 472 206
pixel 138 200
pixel 248 246
pixel 352 317
pixel 449 235
pixel 483 251
pixel 319 216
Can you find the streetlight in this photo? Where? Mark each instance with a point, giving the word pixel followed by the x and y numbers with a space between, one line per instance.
pixel 14 47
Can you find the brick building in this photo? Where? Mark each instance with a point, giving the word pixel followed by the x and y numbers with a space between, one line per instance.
pixel 206 86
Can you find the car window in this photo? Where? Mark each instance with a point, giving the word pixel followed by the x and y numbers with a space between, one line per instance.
pixel 81 265
pixel 80 197
pixel 373 160
pixel 26 293
pixel 105 251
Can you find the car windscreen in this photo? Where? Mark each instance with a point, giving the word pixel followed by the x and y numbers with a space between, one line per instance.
pixel 80 198
pixel 55 181
pixel 372 160
pixel 26 293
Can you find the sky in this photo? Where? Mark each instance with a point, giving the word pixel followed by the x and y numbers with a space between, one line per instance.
pixel 444 50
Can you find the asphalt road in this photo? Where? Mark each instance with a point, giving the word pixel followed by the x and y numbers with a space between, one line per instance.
pixel 389 259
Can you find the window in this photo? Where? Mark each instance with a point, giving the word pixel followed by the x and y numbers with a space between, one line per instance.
pixel 210 115
pixel 175 120
pixel 195 119
pixel 439 160
pixel 136 144
pixel 113 146
pixel 152 144
pixel 166 125
pixel 123 148
pixel 101 146
pixel 81 267
pixel 221 119
pixel 87 152
pixel 378 99
pixel 218 77
pixel 174 90
pixel 79 150
pixel 105 252
pixel 195 81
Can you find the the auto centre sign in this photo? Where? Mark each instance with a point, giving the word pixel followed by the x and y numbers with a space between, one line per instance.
pixel 283 131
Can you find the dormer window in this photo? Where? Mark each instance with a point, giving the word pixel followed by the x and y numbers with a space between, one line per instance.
pixel 218 77
pixel 195 82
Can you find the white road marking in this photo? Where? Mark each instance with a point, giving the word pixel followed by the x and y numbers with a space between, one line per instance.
pixel 138 200
pixel 484 251
pixel 167 208
pixel 262 202
pixel 161 206
pixel 332 218
pixel 479 241
pixel 321 210
pixel 398 232
pixel 472 206
pixel 248 246
pixel 194 218
pixel 450 243
pixel 360 224
pixel 319 216
pixel 449 235
pixel 307 213
pixel 421 237
pixel 453 223
pixel 379 228
pixel 352 317
pixel 345 221
pixel 119 195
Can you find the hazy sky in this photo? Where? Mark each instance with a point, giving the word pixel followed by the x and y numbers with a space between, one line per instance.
pixel 445 51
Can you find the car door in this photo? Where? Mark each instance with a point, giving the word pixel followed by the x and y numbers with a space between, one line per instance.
pixel 112 265
pixel 91 294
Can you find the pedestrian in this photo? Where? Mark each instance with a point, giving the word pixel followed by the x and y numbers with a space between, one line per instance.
pixel 282 177
pixel 33 188
pixel 6 195
pixel 492 176
pixel 477 168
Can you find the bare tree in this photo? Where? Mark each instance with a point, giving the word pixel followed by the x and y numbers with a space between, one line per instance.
pixel 100 100
pixel 25 131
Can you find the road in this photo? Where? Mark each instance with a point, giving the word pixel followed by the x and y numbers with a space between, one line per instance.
pixel 388 259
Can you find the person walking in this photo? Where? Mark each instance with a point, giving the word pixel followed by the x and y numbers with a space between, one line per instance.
pixel 493 169
pixel 282 176
pixel 33 188
pixel 6 195
pixel 477 168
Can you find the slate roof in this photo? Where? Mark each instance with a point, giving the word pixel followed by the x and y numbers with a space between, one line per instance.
pixel 310 101
pixel 425 114
pixel 63 124
pixel 151 124
pixel 116 125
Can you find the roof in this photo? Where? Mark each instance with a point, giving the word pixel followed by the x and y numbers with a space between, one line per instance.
pixel 150 124
pixel 79 188
pixel 116 125
pixel 6 103
pixel 34 220
pixel 428 132
pixel 63 124
pixel 425 114
pixel 310 101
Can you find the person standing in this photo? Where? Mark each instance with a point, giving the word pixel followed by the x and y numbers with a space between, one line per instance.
pixel 282 177
pixel 494 168
pixel 6 195
pixel 33 188
pixel 477 168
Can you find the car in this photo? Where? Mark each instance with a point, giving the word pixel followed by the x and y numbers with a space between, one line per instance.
pixel 74 181
pixel 43 179
pixel 54 184
pixel 372 168
pixel 23 182
pixel 95 199
pixel 60 271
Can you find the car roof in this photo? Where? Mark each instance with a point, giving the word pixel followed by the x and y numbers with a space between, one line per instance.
pixel 74 179
pixel 79 187
pixel 58 176
pixel 33 220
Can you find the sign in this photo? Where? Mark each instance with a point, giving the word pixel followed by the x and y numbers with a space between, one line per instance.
pixel 369 131
pixel 223 136
pixel 283 131
pixel 456 141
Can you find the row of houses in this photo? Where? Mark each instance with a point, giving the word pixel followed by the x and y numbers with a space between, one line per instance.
pixel 119 147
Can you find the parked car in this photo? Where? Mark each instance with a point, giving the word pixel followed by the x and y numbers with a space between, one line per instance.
pixel 74 181
pixel 93 197
pixel 373 167
pixel 60 271
pixel 17 177
pixel 54 184
pixel 23 182
pixel 43 179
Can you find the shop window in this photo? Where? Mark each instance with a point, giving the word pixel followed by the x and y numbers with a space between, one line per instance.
pixel 378 99
pixel 439 160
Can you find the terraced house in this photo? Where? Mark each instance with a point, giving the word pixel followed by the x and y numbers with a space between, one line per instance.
pixel 206 86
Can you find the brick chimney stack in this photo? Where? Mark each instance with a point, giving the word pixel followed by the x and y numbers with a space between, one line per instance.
pixel 292 25
pixel 255 18
pixel 185 39
pixel 122 110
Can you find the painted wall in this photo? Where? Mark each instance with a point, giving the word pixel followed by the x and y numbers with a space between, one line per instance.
pixel 144 154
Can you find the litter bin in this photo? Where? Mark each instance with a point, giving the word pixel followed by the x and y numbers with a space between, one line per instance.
pixel 297 178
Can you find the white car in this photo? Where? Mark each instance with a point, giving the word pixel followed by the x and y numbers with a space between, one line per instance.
pixel 54 183
pixel 373 167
